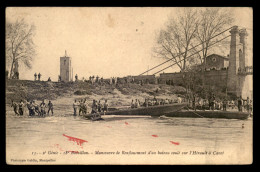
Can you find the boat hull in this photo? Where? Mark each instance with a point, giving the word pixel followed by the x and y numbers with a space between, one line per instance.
pixel 209 114
pixel 151 110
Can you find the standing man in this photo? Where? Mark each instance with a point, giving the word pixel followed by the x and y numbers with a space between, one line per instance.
pixel 247 104
pixel 39 76
pixel 21 107
pixel 15 106
pixel 43 106
pixel 105 106
pixel 35 76
pixel 137 105
pixel 75 107
pixel 31 109
pixel 36 107
pixel 99 105
pixel 225 105
pixel 239 104
pixel 97 79
pixel 81 107
pixel 85 107
pixel 94 107
pixel 50 107
pixel 76 77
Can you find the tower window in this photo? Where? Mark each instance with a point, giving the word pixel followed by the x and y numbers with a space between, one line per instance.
pixel 64 62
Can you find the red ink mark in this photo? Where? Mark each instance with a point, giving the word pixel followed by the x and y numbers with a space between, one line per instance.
pixel 126 123
pixel 109 126
pixel 73 151
pixel 176 143
pixel 154 135
pixel 78 141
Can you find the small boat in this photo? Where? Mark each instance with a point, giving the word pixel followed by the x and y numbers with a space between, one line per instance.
pixel 94 116
pixel 209 114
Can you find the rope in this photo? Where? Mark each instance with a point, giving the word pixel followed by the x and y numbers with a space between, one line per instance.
pixel 191 55
pixel 195 113
pixel 184 52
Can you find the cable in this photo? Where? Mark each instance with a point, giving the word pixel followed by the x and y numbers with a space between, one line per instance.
pixel 184 52
pixel 191 55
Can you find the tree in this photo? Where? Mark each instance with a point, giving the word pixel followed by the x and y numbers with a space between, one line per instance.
pixel 174 41
pixel 212 21
pixel 19 44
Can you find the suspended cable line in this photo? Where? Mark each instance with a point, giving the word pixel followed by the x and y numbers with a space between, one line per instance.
pixel 184 52
pixel 191 55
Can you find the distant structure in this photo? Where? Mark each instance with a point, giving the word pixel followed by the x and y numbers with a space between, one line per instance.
pixel 239 74
pixel 65 68
pixel 231 73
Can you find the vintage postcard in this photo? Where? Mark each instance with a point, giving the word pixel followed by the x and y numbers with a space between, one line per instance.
pixel 123 86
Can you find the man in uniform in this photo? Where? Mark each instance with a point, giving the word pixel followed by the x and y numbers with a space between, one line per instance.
pixel 81 107
pixel 239 104
pixel 50 107
pixel 105 108
pixel 137 105
pixel 14 105
pixel 35 77
pixel 99 106
pixel 85 107
pixel 94 107
pixel 31 109
pixel 21 107
pixel 36 108
pixel 39 76
pixel 75 107
pixel 225 105
pixel 43 106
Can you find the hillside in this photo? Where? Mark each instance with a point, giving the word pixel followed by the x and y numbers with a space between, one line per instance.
pixel 119 95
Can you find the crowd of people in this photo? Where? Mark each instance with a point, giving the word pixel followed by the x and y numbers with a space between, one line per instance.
pixel 213 104
pixel 32 107
pixel 80 107
pixel 153 102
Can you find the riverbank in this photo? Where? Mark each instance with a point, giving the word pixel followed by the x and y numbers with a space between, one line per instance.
pixel 63 94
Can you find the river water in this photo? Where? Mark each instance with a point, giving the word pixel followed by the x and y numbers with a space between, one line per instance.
pixel 161 140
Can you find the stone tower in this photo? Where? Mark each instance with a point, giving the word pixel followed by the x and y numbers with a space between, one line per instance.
pixel 237 71
pixel 65 68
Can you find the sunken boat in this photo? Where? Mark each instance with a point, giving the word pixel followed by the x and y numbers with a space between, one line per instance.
pixel 157 110
pixel 208 114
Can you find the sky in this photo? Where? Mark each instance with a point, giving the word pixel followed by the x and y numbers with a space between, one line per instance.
pixel 102 41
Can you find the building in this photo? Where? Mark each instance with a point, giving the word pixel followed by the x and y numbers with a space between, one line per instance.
pixel 215 61
pixel 230 73
pixel 65 68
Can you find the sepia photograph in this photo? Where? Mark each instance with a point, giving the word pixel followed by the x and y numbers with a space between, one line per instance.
pixel 129 85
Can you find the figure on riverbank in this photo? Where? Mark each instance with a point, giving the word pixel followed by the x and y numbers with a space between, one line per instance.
pixel 75 107
pixel 21 107
pixel 39 76
pixel 43 106
pixel 105 108
pixel 94 107
pixel 35 76
pixel 50 107
pixel 15 106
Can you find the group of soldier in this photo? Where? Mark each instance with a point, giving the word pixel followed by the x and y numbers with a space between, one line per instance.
pixel 96 107
pixel 154 102
pixel 39 76
pixel 32 107
pixel 213 104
